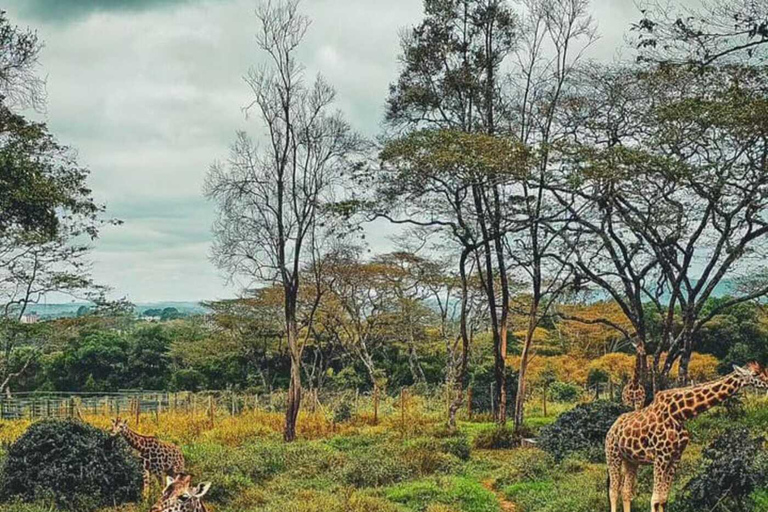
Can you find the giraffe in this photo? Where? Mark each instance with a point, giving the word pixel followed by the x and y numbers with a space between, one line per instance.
pixel 633 395
pixel 180 496
pixel 657 435
pixel 158 457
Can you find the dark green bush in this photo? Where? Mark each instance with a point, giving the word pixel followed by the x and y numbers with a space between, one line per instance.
pixel 734 467
pixel 564 392
pixel 71 465
pixel 499 438
pixel 581 430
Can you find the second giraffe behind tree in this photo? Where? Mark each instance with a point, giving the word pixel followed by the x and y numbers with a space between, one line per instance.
pixel 657 435
pixel 160 459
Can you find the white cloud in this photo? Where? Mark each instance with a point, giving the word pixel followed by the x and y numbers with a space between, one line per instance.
pixel 151 97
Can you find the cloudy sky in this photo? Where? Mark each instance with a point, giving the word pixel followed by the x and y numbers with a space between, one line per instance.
pixel 150 92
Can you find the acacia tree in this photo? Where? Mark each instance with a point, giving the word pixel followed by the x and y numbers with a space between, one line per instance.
pixel 672 186
pixel 271 200
pixel 710 32
pixel 553 38
pixel 450 80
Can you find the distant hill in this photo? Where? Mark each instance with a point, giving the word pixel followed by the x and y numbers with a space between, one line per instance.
pixel 70 309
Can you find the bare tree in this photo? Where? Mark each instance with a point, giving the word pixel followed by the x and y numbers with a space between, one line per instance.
pixel 271 199
pixel 554 37
pixel 712 32
pixel 20 86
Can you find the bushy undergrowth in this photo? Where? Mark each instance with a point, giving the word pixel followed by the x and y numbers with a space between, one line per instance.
pixel 453 492
pixel 735 466
pixel 71 465
pixel 581 430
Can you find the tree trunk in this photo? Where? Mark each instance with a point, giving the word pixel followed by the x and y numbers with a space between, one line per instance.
pixel 294 389
pixel 521 376
pixel 460 374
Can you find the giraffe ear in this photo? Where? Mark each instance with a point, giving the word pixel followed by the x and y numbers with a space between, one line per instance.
pixel 169 480
pixel 201 489
pixel 742 371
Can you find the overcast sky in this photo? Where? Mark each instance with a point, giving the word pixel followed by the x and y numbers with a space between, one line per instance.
pixel 150 92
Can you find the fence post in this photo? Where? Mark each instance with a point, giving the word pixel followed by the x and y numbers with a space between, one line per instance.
pixel 493 406
pixel 402 410
pixel 469 403
pixel 210 409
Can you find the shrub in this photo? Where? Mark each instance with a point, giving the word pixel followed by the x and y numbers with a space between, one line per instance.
pixel 499 438
pixel 460 494
pixel 375 468
pixel 72 465
pixel 581 429
pixel 734 467
pixel 564 392
pixel 526 465
pixel 581 492
pixel 342 412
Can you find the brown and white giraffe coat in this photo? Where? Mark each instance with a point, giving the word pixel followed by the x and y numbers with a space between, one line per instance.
pixel 656 434
pixel 633 395
pixel 180 496
pixel 160 459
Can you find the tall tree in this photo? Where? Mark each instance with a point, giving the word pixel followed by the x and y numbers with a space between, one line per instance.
pixel 553 38
pixel 271 200
pixel 450 80
pixel 47 212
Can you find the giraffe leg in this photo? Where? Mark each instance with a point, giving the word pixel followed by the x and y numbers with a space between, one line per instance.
pixel 614 482
pixel 147 480
pixel 629 485
pixel 663 474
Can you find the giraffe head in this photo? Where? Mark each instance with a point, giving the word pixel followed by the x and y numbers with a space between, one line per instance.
pixel 752 375
pixel 180 496
pixel 119 426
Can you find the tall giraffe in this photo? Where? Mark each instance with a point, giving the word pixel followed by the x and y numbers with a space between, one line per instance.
pixel 657 435
pixel 158 457
pixel 180 496
pixel 633 395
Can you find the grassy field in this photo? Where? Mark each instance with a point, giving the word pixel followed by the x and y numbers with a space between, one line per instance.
pixel 405 463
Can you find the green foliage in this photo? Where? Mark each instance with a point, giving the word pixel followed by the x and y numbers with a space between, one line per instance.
pixel 734 467
pixel 375 468
pixel 498 438
pixel 564 392
pixel 72 465
pixel 584 491
pixel 581 429
pixel 526 465
pixel 457 493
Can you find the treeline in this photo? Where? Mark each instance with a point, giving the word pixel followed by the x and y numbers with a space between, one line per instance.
pixel 529 181
pixel 241 347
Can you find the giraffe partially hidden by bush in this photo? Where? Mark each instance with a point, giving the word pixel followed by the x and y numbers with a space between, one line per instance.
pixel 633 395
pixel 180 496
pixel 160 459
pixel 657 435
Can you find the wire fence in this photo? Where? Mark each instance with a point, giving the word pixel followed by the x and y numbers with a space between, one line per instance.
pixel 38 405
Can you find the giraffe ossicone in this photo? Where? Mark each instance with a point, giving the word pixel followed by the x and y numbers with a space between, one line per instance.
pixel 180 495
pixel 656 434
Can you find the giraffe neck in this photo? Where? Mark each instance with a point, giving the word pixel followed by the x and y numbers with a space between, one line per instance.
pixel 136 440
pixel 639 364
pixel 687 403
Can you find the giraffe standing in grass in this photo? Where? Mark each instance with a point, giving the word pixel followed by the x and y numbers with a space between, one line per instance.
pixel 657 435
pixel 633 395
pixel 159 458
pixel 180 496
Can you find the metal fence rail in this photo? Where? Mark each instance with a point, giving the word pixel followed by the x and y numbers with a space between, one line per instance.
pixel 126 403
